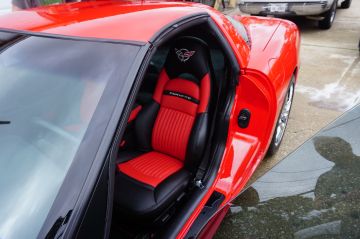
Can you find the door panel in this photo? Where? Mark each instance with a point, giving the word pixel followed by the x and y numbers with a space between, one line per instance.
pixel 247 146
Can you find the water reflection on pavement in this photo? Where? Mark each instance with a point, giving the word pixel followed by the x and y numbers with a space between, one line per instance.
pixel 313 193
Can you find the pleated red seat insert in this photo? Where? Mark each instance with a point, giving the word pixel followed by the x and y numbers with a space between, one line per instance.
pixel 151 168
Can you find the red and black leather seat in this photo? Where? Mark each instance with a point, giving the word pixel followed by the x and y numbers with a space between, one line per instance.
pixel 171 133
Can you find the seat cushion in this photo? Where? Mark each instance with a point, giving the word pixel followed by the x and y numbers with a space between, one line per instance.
pixel 141 201
pixel 150 168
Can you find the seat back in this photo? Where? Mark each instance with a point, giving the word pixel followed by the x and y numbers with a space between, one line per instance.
pixel 182 96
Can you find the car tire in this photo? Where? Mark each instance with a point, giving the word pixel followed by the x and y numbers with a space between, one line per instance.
pixel 283 119
pixel 346 4
pixel 329 17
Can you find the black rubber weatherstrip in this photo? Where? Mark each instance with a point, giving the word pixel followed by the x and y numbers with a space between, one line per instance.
pixel 164 31
pixel 75 38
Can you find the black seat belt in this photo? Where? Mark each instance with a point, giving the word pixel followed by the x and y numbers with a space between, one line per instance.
pixel 200 175
pixel 205 162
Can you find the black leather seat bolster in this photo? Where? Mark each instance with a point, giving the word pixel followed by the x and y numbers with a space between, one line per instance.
pixel 125 156
pixel 141 201
pixel 144 124
pixel 197 142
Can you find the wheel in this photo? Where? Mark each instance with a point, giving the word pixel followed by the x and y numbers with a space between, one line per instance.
pixel 329 17
pixel 346 4
pixel 282 120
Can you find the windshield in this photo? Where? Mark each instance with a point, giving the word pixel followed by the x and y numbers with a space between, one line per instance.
pixel 50 89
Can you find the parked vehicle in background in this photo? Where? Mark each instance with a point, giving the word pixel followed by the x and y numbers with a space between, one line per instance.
pixel 7 6
pixel 322 10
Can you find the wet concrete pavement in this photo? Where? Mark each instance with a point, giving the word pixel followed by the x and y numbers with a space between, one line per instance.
pixel 313 193
pixel 328 82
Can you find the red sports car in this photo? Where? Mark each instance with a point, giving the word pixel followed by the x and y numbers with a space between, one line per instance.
pixel 136 119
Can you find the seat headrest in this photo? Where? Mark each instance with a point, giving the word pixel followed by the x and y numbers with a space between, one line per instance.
pixel 188 55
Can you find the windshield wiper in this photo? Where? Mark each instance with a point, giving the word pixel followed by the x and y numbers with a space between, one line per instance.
pixel 4 122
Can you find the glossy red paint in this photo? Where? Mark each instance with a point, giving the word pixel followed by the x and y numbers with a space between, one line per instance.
pixel 118 20
pixel 267 65
pixel 134 113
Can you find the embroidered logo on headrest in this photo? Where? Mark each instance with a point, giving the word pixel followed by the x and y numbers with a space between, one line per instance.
pixel 184 54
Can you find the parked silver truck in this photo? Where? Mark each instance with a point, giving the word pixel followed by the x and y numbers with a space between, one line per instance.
pixel 322 10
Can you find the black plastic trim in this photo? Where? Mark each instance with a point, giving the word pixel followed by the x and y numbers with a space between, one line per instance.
pixel 166 32
pixel 120 130
pixel 228 50
pixel 75 38
pixel 244 118
pixel 210 209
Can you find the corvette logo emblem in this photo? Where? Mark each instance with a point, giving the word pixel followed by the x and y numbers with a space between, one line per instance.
pixel 184 54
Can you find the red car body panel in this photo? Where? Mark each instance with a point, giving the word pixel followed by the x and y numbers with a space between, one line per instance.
pixel 267 65
pixel 117 20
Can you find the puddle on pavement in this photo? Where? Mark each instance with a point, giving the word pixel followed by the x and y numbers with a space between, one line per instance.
pixel 313 193
pixel 332 96
pixel 341 95
pixel 316 198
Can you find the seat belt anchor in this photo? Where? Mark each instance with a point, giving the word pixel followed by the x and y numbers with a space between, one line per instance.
pixel 199 184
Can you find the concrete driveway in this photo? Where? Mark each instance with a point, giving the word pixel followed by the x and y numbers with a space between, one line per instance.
pixel 328 83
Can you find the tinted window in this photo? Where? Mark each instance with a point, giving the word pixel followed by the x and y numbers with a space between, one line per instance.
pixel 239 28
pixel 50 89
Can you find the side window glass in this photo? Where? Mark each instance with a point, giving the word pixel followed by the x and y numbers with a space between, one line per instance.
pixel 239 28
pixel 152 74
pixel 158 59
